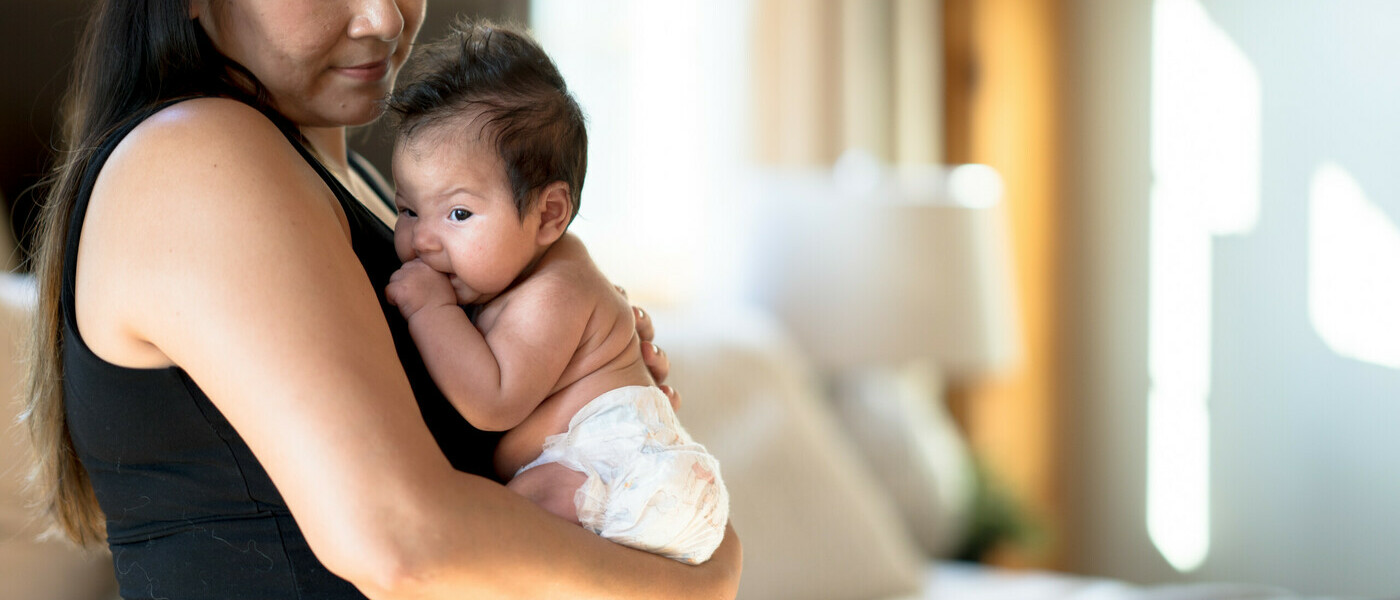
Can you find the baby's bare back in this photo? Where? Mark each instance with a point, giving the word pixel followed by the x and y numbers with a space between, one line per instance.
pixel 607 355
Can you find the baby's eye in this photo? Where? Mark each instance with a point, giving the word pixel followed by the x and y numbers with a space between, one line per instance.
pixel 459 214
pixel 407 212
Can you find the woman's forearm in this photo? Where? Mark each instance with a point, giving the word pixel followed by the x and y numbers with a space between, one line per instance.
pixel 472 536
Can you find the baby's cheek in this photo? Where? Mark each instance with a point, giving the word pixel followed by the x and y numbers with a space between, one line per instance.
pixel 402 247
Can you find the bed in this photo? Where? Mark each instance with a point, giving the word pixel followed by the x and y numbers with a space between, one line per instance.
pixel 818 517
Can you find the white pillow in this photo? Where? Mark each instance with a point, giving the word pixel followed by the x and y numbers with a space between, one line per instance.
pixel 901 427
pixel 814 523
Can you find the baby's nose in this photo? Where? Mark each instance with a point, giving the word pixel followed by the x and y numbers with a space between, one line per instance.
pixel 424 240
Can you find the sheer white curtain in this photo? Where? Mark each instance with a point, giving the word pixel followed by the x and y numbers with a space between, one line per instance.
pixel 832 75
pixel 685 98
pixel 665 88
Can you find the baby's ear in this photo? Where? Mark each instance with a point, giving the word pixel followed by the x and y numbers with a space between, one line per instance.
pixel 555 206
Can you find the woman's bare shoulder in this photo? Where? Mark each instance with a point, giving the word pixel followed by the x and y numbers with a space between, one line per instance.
pixel 202 155
pixel 208 116
pixel 204 133
pixel 191 190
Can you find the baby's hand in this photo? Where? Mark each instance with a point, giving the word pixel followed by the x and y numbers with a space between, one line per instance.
pixel 416 286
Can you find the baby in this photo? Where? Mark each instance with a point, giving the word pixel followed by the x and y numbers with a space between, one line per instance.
pixel 488 163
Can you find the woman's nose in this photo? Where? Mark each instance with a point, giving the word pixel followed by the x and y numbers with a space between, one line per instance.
pixel 378 19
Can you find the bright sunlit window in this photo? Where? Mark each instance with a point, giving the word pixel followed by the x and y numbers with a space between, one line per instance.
pixel 1205 161
pixel 1353 287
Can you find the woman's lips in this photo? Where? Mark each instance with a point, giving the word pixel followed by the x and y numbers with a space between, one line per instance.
pixel 373 71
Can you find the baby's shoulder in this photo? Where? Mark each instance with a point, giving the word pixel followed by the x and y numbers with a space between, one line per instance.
pixel 546 298
pixel 566 280
pixel 568 283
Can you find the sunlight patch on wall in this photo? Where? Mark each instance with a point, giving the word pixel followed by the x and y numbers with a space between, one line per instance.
pixel 1205 160
pixel 1178 426
pixel 1353 270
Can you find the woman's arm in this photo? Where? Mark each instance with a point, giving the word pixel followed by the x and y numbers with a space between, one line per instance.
pixel 209 244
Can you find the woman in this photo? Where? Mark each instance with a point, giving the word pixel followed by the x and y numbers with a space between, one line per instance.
pixel 213 350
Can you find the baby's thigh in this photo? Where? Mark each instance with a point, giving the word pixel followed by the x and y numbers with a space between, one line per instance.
pixel 551 486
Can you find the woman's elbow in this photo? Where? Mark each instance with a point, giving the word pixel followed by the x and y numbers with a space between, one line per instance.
pixel 385 548
pixel 380 567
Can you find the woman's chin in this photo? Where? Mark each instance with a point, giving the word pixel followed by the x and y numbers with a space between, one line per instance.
pixel 339 118
pixel 349 110
pixel 364 119
pixel 360 113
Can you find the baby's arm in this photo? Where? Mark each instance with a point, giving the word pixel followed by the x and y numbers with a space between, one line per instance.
pixel 494 380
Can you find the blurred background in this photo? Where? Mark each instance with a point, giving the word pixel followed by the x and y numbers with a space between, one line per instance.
pixel 1147 249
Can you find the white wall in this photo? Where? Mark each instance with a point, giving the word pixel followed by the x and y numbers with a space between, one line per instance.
pixel 1303 394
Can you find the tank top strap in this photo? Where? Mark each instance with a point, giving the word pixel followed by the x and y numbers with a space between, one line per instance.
pixel 362 168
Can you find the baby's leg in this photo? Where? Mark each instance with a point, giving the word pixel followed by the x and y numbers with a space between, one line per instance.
pixel 552 487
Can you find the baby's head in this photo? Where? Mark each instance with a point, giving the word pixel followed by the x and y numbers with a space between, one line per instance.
pixel 489 156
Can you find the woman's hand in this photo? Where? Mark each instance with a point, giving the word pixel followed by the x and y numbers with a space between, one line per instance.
pixel 655 359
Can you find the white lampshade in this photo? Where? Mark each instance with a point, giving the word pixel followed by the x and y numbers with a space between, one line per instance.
pixel 870 266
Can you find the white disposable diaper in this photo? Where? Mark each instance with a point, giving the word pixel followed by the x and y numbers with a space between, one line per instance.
pixel 649 486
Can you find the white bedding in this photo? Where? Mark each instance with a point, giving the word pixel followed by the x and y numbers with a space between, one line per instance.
pixel 962 581
pixel 815 524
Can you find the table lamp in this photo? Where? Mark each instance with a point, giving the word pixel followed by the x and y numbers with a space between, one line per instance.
pixel 893 281
pixel 869 266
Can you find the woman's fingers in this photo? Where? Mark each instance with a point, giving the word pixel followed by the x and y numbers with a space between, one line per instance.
pixel 645 328
pixel 656 361
pixel 654 357
pixel 672 395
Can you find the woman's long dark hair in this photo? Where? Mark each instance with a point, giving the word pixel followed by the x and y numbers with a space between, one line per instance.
pixel 134 54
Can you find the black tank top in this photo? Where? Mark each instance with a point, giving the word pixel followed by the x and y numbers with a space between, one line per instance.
pixel 190 512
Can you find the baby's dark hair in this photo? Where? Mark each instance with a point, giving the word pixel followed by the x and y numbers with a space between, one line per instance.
pixel 523 106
